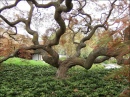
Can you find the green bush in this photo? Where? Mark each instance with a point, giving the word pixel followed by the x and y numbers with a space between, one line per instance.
pixel 39 81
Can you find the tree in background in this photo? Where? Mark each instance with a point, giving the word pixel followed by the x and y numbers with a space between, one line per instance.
pixel 9 43
pixel 80 17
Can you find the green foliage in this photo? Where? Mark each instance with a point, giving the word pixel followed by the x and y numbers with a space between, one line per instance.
pixel 19 61
pixel 39 81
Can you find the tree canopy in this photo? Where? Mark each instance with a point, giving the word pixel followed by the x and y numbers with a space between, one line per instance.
pixel 81 20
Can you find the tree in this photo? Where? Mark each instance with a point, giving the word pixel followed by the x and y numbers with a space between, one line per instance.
pixel 80 18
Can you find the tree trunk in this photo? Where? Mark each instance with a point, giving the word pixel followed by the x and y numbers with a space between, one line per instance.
pixel 61 72
pixel 67 64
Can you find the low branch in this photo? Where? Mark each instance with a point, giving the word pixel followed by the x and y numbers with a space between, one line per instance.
pixel 33 47
pixel 99 60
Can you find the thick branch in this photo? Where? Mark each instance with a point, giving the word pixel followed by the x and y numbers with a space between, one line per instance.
pixel 28 23
pixel 33 47
pixel 60 21
pixel 99 60
pixel 44 5
pixel 93 58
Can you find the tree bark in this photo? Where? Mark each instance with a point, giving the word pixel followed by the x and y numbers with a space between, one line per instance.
pixel 61 72
pixel 65 65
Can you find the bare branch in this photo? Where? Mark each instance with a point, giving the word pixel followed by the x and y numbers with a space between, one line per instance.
pixel 81 45
pixel 60 21
pixel 10 34
pixel 110 11
pixel 28 23
pixel 44 5
pixel 33 47
pixel 10 6
pixel 13 23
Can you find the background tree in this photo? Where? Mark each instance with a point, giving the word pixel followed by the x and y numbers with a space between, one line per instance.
pixel 80 16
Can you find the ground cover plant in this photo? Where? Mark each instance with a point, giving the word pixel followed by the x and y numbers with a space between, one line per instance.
pixel 27 80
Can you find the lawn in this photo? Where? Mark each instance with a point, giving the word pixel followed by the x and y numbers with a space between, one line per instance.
pixel 23 78
pixel 18 61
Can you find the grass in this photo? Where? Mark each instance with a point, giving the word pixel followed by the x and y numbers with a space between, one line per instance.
pixel 19 61
pixel 37 79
